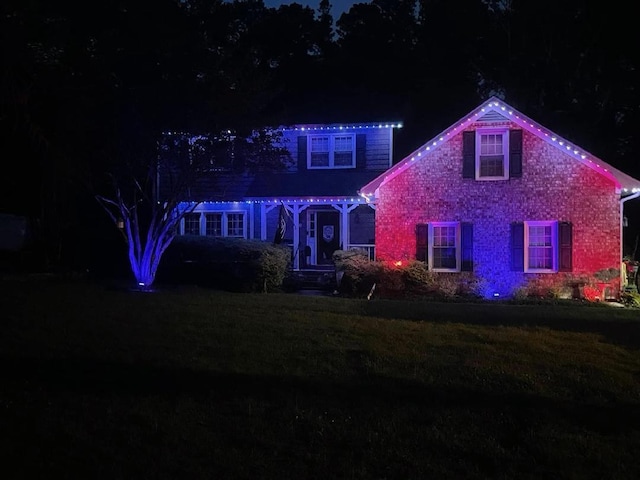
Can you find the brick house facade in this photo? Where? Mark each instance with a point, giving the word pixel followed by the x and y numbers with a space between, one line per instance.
pixel 501 196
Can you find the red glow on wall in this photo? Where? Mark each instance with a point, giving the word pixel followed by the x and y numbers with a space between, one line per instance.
pixel 553 187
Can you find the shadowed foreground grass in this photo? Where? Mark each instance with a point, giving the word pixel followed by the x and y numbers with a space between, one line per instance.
pixel 193 383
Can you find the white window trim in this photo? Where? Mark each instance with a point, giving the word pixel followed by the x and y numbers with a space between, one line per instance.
pixel 225 224
pixel 458 246
pixel 554 245
pixel 505 147
pixel 331 151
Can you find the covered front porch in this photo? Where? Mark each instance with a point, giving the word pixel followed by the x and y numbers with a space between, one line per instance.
pixel 315 228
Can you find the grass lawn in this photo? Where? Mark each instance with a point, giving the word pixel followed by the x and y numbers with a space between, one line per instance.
pixel 195 383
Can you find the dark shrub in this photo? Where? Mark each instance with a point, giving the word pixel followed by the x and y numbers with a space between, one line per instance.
pixel 228 263
pixel 407 279
pixel 357 273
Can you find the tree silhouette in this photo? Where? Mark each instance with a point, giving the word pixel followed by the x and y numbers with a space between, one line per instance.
pixel 148 222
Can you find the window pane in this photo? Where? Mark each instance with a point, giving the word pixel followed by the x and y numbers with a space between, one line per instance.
pixel 540 258
pixel 192 224
pixel 491 144
pixel 492 166
pixel 540 235
pixel 320 144
pixel 343 159
pixel 235 225
pixel 444 257
pixel 320 159
pixel 343 144
pixel 214 224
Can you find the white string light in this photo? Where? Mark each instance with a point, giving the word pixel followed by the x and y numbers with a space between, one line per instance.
pixel 520 119
pixel 276 201
pixel 307 128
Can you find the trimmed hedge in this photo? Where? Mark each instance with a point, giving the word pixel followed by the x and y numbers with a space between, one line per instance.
pixel 227 263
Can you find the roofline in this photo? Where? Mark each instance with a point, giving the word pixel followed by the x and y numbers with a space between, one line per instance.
pixel 310 127
pixel 315 199
pixel 305 198
pixel 340 126
pixel 369 190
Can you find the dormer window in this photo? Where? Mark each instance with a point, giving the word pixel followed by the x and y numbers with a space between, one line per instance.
pixel 331 151
pixel 492 161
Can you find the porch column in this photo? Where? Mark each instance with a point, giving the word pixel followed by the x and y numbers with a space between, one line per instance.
pixel 252 221
pixel 263 222
pixel 344 209
pixel 295 212
pixel 264 209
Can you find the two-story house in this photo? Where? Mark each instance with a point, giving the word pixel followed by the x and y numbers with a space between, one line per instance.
pixel 319 192
pixel 502 196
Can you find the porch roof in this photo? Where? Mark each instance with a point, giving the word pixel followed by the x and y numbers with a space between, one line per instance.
pixel 315 183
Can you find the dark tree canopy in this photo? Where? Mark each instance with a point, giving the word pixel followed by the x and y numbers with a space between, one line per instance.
pixel 88 86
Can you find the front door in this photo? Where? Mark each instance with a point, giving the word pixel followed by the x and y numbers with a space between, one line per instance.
pixel 327 236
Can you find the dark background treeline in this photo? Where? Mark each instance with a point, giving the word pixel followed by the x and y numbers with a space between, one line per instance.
pixel 86 87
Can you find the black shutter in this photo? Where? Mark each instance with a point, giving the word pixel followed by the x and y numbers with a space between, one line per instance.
pixel 361 150
pixel 469 154
pixel 517 247
pixel 467 247
pixel 515 153
pixel 302 152
pixel 565 234
pixel 422 242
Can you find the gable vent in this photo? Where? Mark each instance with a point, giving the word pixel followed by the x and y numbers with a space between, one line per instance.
pixel 492 116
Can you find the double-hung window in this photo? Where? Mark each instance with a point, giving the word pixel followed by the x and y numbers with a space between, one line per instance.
pixel 191 224
pixel 492 154
pixel 444 239
pixel 213 224
pixel 235 225
pixel 541 246
pixel 331 151
pixel 445 246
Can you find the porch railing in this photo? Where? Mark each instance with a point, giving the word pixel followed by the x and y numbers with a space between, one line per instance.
pixel 367 247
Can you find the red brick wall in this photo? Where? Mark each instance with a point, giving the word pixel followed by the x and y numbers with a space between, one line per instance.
pixel 553 186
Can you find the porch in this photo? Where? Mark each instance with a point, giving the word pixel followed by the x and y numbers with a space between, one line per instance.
pixel 315 228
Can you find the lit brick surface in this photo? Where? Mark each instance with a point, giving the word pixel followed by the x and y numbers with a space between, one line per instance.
pixel 553 186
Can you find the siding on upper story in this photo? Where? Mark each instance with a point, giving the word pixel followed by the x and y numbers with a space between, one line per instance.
pixel 374 145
